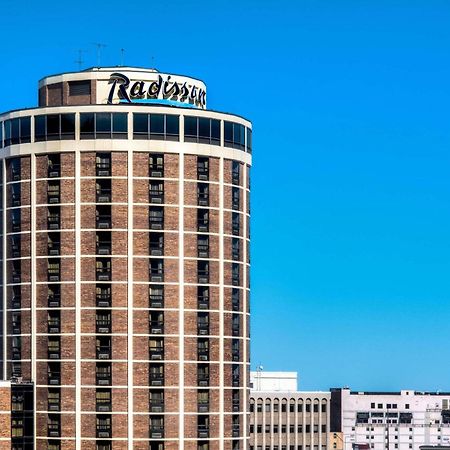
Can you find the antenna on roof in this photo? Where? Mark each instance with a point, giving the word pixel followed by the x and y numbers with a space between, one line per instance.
pixel 122 56
pixel 80 61
pixel 99 51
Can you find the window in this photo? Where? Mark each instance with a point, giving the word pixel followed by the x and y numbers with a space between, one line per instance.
pixel 156 296
pixel 77 88
pixel 164 127
pixel 156 192
pixel 202 130
pixel 54 127
pixel 202 194
pixel 202 168
pixel 17 131
pixel 103 400
pixel 234 135
pixel 103 126
pixel 156 267
pixel 372 405
pixel 156 166
pixel 103 164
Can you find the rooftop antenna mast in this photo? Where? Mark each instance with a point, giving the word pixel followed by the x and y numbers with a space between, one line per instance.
pixel 80 61
pixel 122 56
pixel 100 47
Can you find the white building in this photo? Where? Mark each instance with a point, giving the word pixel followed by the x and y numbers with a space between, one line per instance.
pixel 390 420
pixel 283 418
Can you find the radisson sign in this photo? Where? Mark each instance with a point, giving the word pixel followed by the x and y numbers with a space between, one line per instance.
pixel 165 89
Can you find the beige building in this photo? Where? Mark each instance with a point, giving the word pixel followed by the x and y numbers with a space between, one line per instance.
pixel 283 418
pixel 125 207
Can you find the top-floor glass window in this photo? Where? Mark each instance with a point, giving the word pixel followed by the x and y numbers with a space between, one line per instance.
pixel 103 126
pixel 202 130
pixel 249 140
pixel 234 135
pixel 54 127
pixel 164 127
pixel 17 131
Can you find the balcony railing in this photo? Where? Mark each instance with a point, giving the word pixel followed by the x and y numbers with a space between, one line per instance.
pixel 16 302
pixel 103 274
pixel 54 353
pixel 203 379
pixel 103 169
pixel 53 171
pixel 15 250
pixel 103 326
pixel 235 354
pixel 203 276
pixel 103 195
pixel 156 379
pixel 203 354
pixel 103 431
pixel 54 300
pixel 156 405
pixel 203 226
pixel 156 249
pixel 156 326
pixel 16 354
pixel 54 326
pixel 103 378
pixel 54 405
pixel 15 277
pixel 103 406
pixel 236 405
pixel 103 352
pixel 156 170
pixel 156 353
pixel 235 329
pixel 53 197
pixel 53 274
pixel 202 173
pixel 54 430
pixel 235 380
pixel 54 248
pixel 156 431
pixel 203 250
pixel 203 407
pixel 103 221
pixel 203 431
pixel 53 222
pixel 54 378
pixel 104 248
pixel 235 430
pixel 15 174
pixel 15 200
pixel 203 302
pixel 203 199
pixel 103 300
pixel 156 222
pixel 202 328
pixel 156 196
pixel 156 300
pixel 156 275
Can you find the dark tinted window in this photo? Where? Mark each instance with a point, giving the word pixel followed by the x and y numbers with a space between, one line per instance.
pixel 140 125
pixel 228 132
pixel 103 123
pixel 234 135
pixel 15 131
pixel 67 126
pixel 156 126
pixel 190 128
pixel 172 125
pixel 52 127
pixel 202 130
pixel 87 126
pixel 39 128
pixel 25 129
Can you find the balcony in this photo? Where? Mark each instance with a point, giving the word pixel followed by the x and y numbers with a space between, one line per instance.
pixel 103 325
pixel 203 406
pixel 235 329
pixel 54 378
pixel 53 222
pixel 103 352
pixel 156 353
pixel 235 430
pixel 15 325
pixel 53 430
pixel 103 299
pixel 16 302
pixel 203 302
pixel 156 405
pixel 16 354
pixel 203 249
pixel 156 196
pixel 203 431
pixel 156 246
pixel 15 199
pixel 54 274
pixel 103 247
pixel 203 198
pixel 54 248
pixel 54 405
pixel 53 325
pixel 156 431
pixel 203 276
pixel 202 172
pixel 203 354
pixel 235 303
pixel 54 300
pixel 103 378
pixel 203 327
pixel 15 225
pixel 235 354
pixel 54 170
pixel 203 379
pixel 235 380
pixel 15 249
pixel 103 274
pixel 236 404
pixel 53 195
pixel 156 274
pixel 156 300
pixel 156 170
pixel 235 228
pixel 156 379
pixel 203 225
pixel 103 406
pixel 15 276
pixel 54 353
pixel 103 221
pixel 103 169
pixel 103 195
pixel 15 173
pixel 156 326
pixel 103 431
pixel 156 218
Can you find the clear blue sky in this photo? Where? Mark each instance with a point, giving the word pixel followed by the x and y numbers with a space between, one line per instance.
pixel 351 188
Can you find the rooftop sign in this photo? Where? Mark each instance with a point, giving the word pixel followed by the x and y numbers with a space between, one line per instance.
pixel 154 87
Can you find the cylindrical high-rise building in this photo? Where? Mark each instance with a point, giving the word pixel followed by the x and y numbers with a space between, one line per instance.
pixel 125 263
